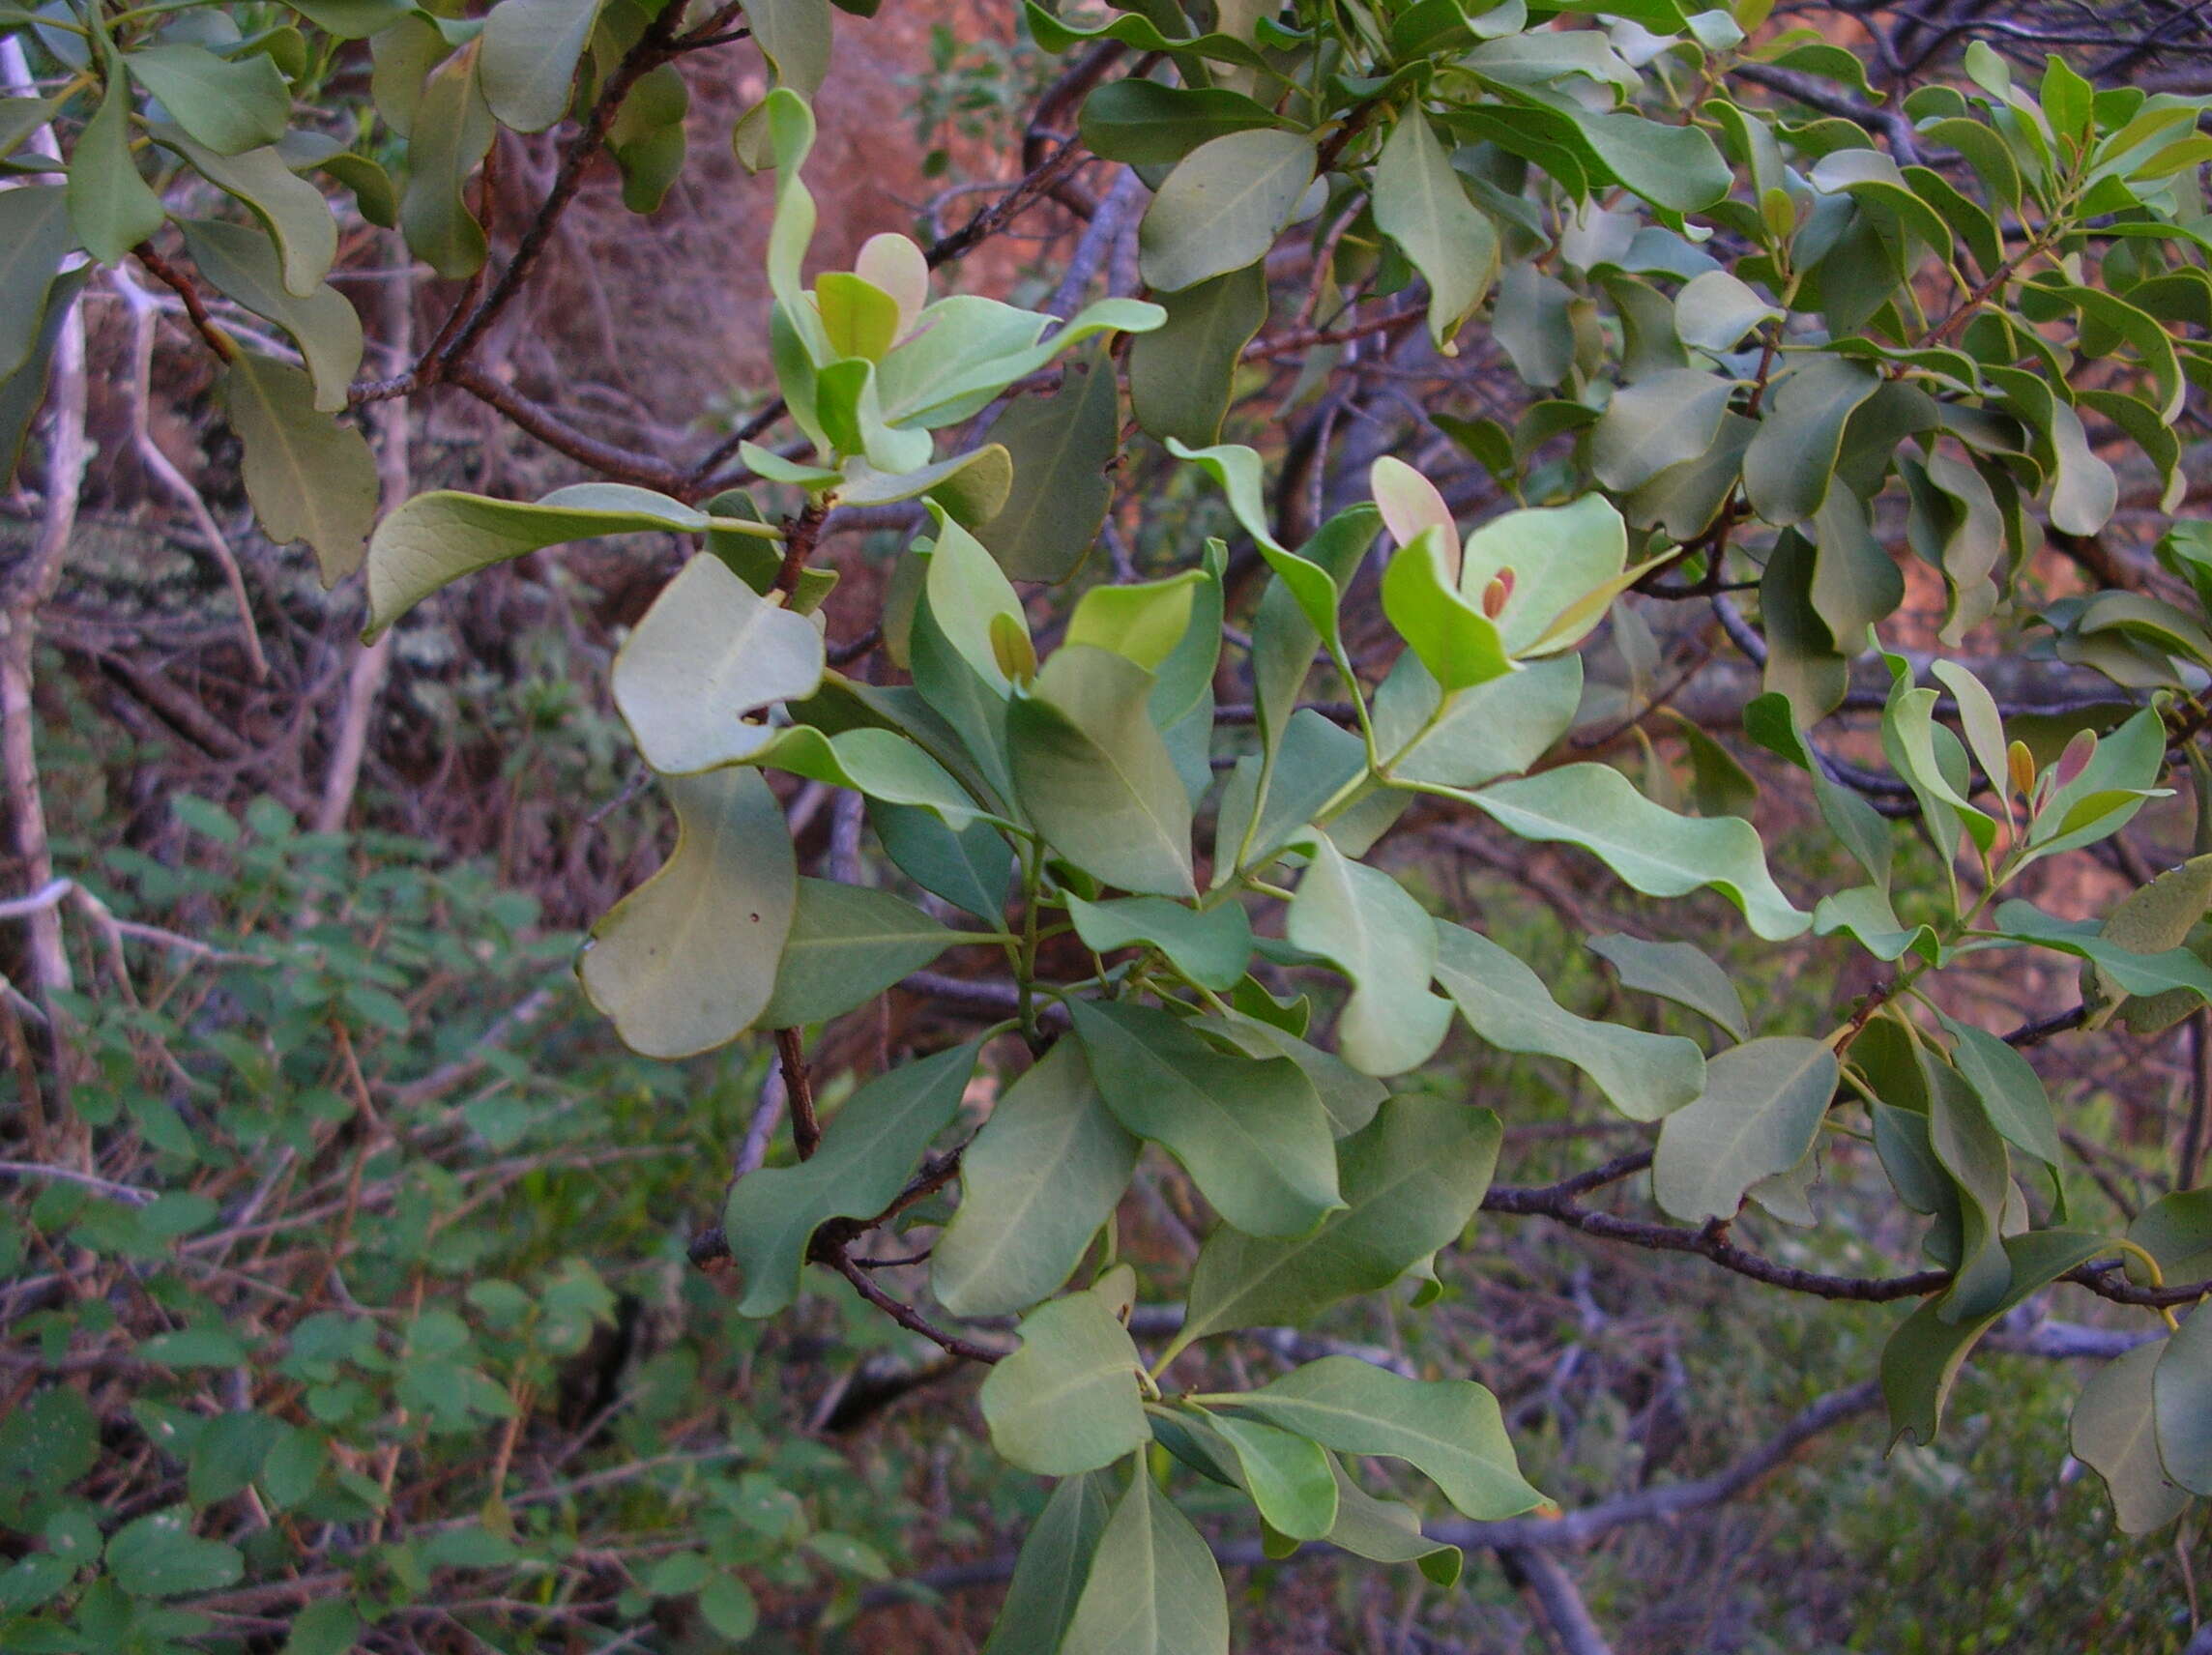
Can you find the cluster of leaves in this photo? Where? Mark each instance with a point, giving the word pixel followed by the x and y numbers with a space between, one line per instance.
pixel 1748 337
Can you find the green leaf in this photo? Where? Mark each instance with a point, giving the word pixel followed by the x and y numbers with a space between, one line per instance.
pixel 2010 1090
pixel 35 236
pixel 708 658
pixel 2126 970
pixel 329 1626
pixel 435 538
pixel 1646 1076
pixel 1146 124
pixel 158 1557
pixel 1055 1561
pixel 1567 565
pixel 1654 850
pixel 1223 205
pixel 2181 1394
pixel 1788 467
pixel 1455 639
pixel 1236 469
pixel 882 763
pixel 1448 1430
pixel 2114 1433
pixel 965 350
pixel 1758 1116
pixel 24 391
pixel 1036 1183
pixel 1252 1134
pixel 1973 1156
pixel 353 19
pixel 847 945
pixel 967 593
pixel 868 1148
pixel 110 207
pixel 227 1453
pixel 2175 1230
pixel 527 61
pixel 1139 32
pixel 450 133
pixel 687 962
pixel 229 105
pixel 1211 946
pixel 1492 730
pixel 1154 1587
pixel 1411 1180
pixel 309 477
pixel 1666 419
pixel 1421 204
pixel 47 1441
pixel 1679 972
pixel 726 1604
pixel 1387 1532
pixel 795 37
pixel 242 265
pixel 1143 622
pixel 293 211
pixel 1182 375
pixel 1364 921
pixel 1095 775
pixel 1922 1359
pixel 1675 168
pixel 972 868
pixel 1715 309
pixel 1292 1481
pixel 1067 1400
pixel 1060 446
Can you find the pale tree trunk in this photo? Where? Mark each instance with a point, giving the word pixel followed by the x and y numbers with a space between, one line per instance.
pixel 365 677
pixel 23 590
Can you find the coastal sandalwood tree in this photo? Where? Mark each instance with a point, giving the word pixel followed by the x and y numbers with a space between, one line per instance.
pixel 1754 462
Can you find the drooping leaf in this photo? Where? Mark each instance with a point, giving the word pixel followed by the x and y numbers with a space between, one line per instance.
pixel 1656 851
pixel 1036 1183
pixel 1679 972
pixel 452 129
pixel 1412 1180
pixel 868 1148
pixel 1788 467
pixel 298 219
pixel 1387 1532
pixel 2181 1396
pixel 1251 1133
pixel 1067 1400
pixel 1054 1563
pixel 1647 1076
pixel 112 208
pixel 1060 446
pixel 973 868
pixel 846 946
pixel 1154 1587
pixel 1759 1115
pixel 243 265
pixel 686 961
pixel 35 236
pixel 1182 375
pixel 1383 940
pixel 528 59
pixel 1095 775
pixel 1448 1430
pixel 1421 204
pixel 2114 1432
pixel 309 477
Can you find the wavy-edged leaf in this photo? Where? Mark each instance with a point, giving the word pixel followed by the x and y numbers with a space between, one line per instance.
pixel 1055 1561
pixel 1448 1430
pixel 868 1148
pixel 1646 1076
pixel 1679 972
pixel 846 946
pixel 527 63
pixel 1223 206
pixel 686 962
pixel 435 538
pixel 244 265
pixel 1759 1115
pixel 1367 923
pixel 1654 850
pixel 230 105
pixel 1154 1587
pixel 309 477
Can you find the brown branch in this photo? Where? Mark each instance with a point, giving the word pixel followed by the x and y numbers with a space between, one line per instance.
pixel 626 465
pixel 1026 193
pixel 188 295
pixel 909 1317
pixel 800 535
pixel 798 1088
